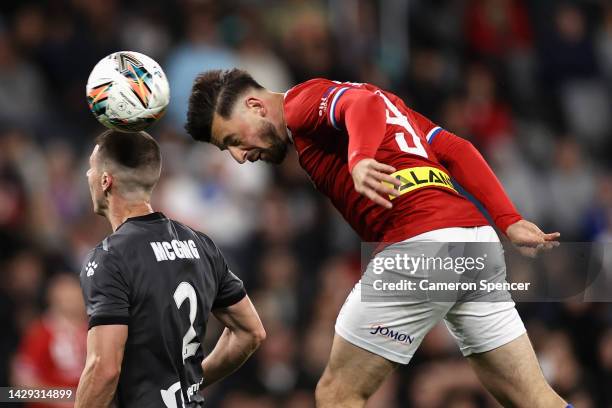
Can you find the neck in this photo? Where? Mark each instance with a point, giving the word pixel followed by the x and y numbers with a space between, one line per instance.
pixel 119 210
pixel 279 105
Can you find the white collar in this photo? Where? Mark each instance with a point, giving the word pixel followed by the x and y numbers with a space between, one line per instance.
pixel 288 131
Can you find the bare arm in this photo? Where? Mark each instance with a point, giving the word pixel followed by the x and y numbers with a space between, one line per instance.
pixel 242 336
pixel 105 347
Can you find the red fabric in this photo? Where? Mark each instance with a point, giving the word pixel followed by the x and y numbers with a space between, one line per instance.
pixel 363 114
pixel 469 168
pixel 52 356
pixel 489 123
pixel 323 152
pixel 493 28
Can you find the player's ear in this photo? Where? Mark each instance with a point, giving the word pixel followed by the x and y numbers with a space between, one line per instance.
pixel 107 181
pixel 256 105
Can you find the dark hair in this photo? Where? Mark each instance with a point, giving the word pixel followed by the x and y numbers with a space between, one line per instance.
pixel 138 152
pixel 215 92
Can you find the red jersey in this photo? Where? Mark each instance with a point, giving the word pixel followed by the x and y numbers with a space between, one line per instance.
pixel 333 125
pixel 52 355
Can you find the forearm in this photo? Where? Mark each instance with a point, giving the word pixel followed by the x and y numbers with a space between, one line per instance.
pixel 467 166
pixel 95 390
pixel 230 352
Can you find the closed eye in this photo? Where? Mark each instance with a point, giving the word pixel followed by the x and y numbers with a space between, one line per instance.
pixel 229 140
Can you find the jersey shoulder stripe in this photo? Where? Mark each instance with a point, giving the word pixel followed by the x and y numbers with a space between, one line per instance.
pixel 432 134
pixel 332 107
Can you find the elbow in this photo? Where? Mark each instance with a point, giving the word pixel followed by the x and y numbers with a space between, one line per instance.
pixel 458 151
pixel 111 375
pixel 105 371
pixel 258 336
pixel 462 143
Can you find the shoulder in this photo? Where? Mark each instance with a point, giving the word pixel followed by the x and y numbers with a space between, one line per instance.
pixel 186 230
pixel 209 246
pixel 103 257
pixel 308 88
pixel 123 242
pixel 319 93
pixel 201 239
pixel 111 246
pixel 306 103
pixel 320 90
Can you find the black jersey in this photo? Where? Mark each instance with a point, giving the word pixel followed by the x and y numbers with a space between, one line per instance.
pixel 161 279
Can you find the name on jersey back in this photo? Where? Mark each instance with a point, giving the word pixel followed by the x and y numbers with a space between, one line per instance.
pixel 175 249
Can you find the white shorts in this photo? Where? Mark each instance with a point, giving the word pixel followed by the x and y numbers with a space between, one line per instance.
pixel 394 330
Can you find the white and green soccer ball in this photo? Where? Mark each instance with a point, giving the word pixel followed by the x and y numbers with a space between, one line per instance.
pixel 127 91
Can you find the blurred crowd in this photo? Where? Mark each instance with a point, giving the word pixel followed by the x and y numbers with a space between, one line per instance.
pixel 528 82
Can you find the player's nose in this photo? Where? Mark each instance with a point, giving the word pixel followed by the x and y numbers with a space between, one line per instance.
pixel 238 154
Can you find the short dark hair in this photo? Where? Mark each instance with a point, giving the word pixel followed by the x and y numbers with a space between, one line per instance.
pixel 137 152
pixel 215 92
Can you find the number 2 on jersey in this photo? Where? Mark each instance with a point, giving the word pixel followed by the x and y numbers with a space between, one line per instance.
pixel 395 117
pixel 184 291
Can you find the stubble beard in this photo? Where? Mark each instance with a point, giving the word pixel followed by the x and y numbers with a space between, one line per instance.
pixel 276 153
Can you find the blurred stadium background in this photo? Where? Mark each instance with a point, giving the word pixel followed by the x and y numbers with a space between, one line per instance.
pixel 528 82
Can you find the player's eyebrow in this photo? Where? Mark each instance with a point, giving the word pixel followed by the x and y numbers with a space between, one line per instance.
pixel 227 141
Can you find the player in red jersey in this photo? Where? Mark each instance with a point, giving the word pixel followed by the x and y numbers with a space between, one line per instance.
pixel 52 351
pixel 387 169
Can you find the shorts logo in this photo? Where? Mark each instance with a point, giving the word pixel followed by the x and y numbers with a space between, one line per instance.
pixel 392 334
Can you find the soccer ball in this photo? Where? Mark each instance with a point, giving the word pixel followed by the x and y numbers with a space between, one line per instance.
pixel 127 91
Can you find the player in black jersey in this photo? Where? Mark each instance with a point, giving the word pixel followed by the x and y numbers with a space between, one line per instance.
pixel 149 288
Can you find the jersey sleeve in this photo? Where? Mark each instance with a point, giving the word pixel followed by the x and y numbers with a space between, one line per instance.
pixel 306 103
pixel 363 114
pixel 341 106
pixel 469 168
pixel 230 289
pixel 105 290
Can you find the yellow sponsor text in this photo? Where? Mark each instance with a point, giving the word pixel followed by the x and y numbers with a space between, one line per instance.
pixel 414 178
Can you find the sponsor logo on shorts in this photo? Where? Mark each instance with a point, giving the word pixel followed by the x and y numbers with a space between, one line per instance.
pixel 392 334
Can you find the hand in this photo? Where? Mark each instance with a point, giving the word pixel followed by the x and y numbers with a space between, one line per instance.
pixel 368 175
pixel 529 239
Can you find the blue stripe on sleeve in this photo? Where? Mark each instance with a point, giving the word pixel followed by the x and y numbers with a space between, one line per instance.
pixel 432 134
pixel 332 108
